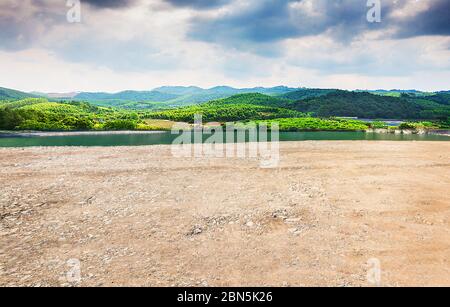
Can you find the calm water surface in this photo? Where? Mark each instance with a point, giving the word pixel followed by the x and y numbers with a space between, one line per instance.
pixel 167 138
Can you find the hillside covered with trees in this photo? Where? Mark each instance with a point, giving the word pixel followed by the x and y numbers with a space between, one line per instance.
pixel 45 114
pixel 366 105
pixel 9 94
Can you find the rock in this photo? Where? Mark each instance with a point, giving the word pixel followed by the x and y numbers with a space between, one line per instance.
pixel 196 231
pixel 292 220
pixel 295 231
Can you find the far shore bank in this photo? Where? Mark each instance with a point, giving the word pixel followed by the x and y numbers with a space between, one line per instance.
pixel 409 131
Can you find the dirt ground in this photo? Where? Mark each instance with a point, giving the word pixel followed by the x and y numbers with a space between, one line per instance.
pixel 136 216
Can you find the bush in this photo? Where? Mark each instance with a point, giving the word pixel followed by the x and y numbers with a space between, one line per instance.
pixel 41 126
pixel 404 126
pixel 378 125
pixel 317 124
pixel 79 123
pixel 120 124
pixel 9 118
pixel 418 125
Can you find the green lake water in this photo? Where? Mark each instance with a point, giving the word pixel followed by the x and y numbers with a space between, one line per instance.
pixel 167 138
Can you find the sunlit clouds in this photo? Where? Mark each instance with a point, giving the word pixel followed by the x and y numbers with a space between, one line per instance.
pixel 137 44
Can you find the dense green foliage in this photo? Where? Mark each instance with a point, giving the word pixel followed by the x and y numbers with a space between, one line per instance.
pixel 251 98
pixel 223 113
pixel 378 125
pixel 306 93
pixel 120 124
pixel 316 124
pixel 235 108
pixel 42 114
pixel 418 125
pixel 440 98
pixel 366 105
pixel 445 124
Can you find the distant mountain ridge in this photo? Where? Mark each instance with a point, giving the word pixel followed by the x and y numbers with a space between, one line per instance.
pixel 128 95
pixel 174 95
pixel 9 94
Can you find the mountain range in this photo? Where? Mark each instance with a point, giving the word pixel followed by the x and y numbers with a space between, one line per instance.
pixel 278 102
pixel 176 95
pixel 187 95
pixel 322 102
pixel 170 96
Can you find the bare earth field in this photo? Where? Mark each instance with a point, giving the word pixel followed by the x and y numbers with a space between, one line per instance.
pixel 137 216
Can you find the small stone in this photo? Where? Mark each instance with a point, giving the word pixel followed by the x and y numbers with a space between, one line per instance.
pixel 292 221
pixel 295 231
pixel 197 231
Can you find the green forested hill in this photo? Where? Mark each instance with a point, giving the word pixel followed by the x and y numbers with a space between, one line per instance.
pixel 306 93
pixel 440 98
pixel 40 114
pixel 252 98
pixel 9 94
pixel 238 107
pixel 225 112
pixel 366 105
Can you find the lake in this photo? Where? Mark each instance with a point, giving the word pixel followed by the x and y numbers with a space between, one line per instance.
pixel 161 138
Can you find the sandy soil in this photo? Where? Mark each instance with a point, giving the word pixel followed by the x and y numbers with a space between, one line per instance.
pixel 138 216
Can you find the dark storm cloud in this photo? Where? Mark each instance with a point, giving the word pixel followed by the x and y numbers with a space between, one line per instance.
pixel 198 4
pixel 21 26
pixel 12 37
pixel 266 21
pixel 434 21
pixel 273 20
pixel 109 3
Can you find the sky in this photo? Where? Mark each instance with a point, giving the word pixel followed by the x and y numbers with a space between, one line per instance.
pixel 143 44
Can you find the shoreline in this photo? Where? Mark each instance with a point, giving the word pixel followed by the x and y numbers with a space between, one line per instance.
pixel 42 134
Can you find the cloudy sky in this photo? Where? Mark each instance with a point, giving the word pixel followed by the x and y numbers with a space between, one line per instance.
pixel 142 44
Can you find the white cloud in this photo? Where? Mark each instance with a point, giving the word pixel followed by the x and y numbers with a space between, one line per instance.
pixel 146 45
